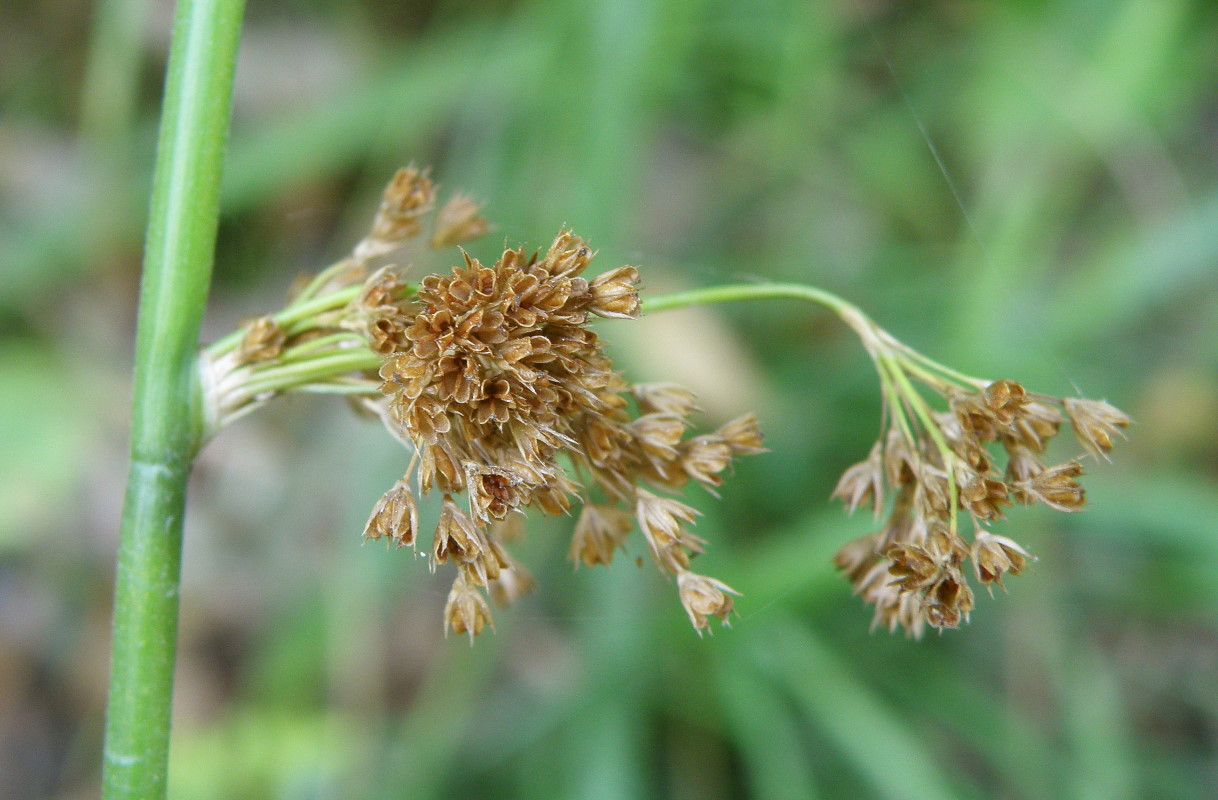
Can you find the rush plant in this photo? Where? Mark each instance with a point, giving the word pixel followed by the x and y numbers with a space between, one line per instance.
pixel 497 381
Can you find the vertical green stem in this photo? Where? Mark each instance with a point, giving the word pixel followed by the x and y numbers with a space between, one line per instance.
pixel 165 424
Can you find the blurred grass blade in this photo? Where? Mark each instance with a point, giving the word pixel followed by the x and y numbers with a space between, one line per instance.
pixel 763 727
pixel 892 756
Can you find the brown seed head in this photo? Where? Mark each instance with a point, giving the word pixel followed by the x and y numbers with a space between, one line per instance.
pixel 458 221
pixel 862 482
pixel 1056 487
pixel 466 610
pixel 704 597
pixel 1095 423
pixel 492 374
pixel 599 531
pixel 614 294
pixel 994 556
pixel 263 341
pixel 395 517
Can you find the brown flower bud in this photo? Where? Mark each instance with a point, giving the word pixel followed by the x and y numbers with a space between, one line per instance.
pixel 856 558
pixel 456 537
pixel 379 292
pixel 985 497
pixel 704 457
pixel 407 197
pixel 660 519
pixel 912 567
pixel 568 255
pixel 663 398
pixel 1035 424
pixel 1022 464
pixel 949 602
pixel 743 435
pixel 658 434
pixel 513 583
pixel 1004 399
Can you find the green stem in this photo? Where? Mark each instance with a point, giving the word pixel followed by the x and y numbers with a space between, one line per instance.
pixel 918 405
pixel 301 367
pixel 290 316
pixel 312 347
pixel 750 291
pixel 878 343
pixel 279 378
pixel 166 423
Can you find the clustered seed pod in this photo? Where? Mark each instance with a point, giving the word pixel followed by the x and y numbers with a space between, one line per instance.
pixel 495 378
pixel 912 570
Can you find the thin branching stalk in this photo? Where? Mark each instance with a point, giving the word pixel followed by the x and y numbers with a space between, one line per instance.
pixel 166 424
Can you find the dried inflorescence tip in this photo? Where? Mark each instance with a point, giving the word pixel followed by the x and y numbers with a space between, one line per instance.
pixel 939 464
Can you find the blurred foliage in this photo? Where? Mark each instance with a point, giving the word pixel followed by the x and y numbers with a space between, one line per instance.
pixel 1020 189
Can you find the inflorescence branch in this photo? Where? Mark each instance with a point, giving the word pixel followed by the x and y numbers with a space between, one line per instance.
pixel 492 376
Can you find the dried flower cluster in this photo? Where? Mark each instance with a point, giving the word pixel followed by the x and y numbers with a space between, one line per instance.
pixel 494 377
pixel 324 333
pixel 938 464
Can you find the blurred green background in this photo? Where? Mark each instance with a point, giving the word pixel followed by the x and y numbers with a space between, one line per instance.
pixel 1068 239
